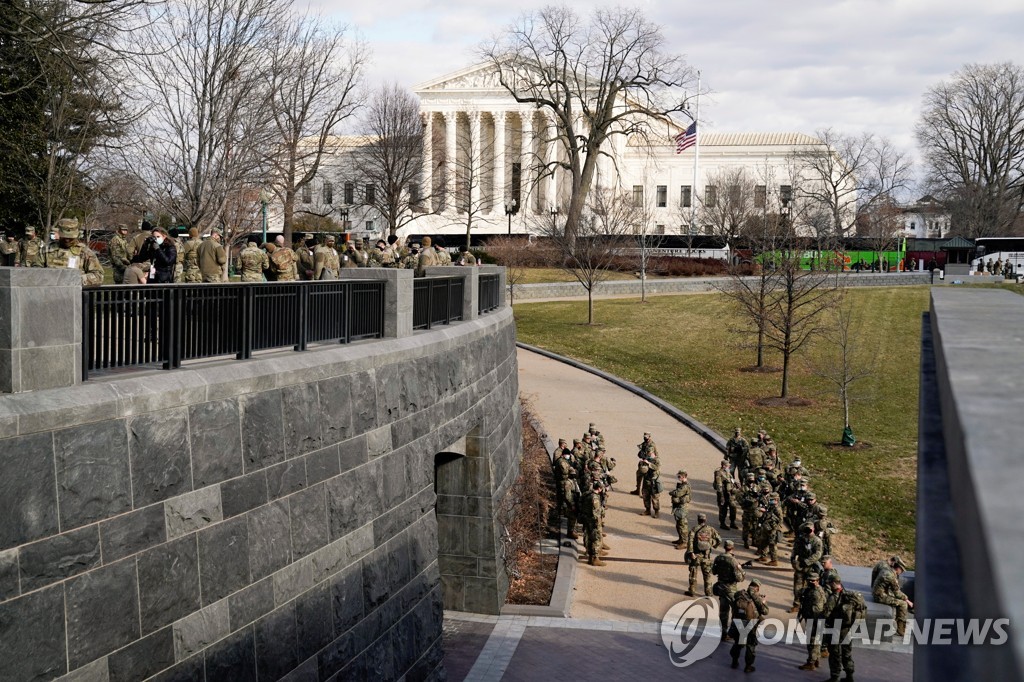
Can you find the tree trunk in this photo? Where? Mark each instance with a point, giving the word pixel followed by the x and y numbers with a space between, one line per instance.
pixel 288 214
pixel 760 345
pixel 590 305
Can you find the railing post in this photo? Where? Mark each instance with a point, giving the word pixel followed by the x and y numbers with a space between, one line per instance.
pixel 303 316
pixel 347 316
pixel 469 290
pixel 397 297
pixel 247 322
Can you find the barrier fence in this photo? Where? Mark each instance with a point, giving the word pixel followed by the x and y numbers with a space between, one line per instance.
pixel 436 301
pixel 489 294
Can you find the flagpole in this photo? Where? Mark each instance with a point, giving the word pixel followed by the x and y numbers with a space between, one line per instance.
pixel 696 156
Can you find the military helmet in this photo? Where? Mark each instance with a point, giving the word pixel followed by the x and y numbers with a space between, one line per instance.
pixel 724 463
pixel 750 476
pixel 30 229
pixel 737 431
pixel 813 575
pixel 68 228
pixel 729 544
pixel 897 562
pixel 647 435
pixel 702 517
pixel 754 582
pixel 681 472
pixel 806 526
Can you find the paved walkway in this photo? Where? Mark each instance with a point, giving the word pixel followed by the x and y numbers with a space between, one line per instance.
pixel 613 631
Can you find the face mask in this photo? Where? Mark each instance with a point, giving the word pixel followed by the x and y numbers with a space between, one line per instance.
pixel 159 241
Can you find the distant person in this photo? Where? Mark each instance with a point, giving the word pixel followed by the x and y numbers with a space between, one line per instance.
pixel 465 257
pixel 31 250
pixel 9 251
pixel 427 258
pixel 253 261
pixel 69 253
pixel 283 261
pixel 212 258
pixel 325 259
pixel 120 253
pixel 189 258
pixel 160 252
pixel 750 608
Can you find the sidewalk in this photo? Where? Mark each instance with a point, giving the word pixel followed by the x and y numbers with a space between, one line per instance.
pixel 617 609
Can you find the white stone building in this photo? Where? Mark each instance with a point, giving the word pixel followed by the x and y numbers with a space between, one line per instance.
pixel 926 219
pixel 469 118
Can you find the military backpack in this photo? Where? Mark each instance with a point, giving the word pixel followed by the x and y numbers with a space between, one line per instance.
pixel 703 539
pixel 745 605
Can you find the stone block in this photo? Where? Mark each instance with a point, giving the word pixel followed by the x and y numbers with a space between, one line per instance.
pixel 451 535
pixel 394 483
pixel 366 414
pixel 381 660
pixel 159 453
pixel 59 557
pixel 133 532
pixel 244 493
pixel 335 656
pixel 216 437
pixel 482 596
pixel 168 583
pixel 335 408
pixel 343 503
pixel 347 598
pixel 97 671
pixel 309 529
pixel 143 658
pixel 399 572
pixel 276 644
pixel 199 630
pixel 37 369
pixel 269 539
pixel 293 580
pixel 286 478
pixel 376 584
pixel 32 643
pixel 306 672
pixel 102 612
pixel 232 659
pixel 301 419
pixel 262 429
pixel 9 577
pixel 189 670
pixel 353 453
pixel 251 603
pixel 223 559
pixel 28 494
pixel 93 475
pixel 192 511
pixel 378 442
pixel 322 464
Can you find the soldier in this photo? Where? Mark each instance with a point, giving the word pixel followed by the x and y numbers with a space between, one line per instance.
pixel 120 253
pixel 595 435
pixel 729 575
pixel 736 449
pixel 389 257
pixel 565 479
pixel 253 261
pixel 644 450
pixel 411 258
pixel 211 258
pixel 325 260
pixel 350 257
pixel 699 544
pixel 727 494
pixel 283 262
pixel 817 514
pixel 749 605
pixel 443 257
pixel 771 459
pixel 768 531
pixel 591 513
pixel 31 250
pixel 749 497
pixel 885 589
pixel 842 610
pixel 8 251
pixel 680 508
pixel 806 552
pixel 829 574
pixel 68 253
pixel 427 258
pixel 812 610
pixel 304 253
pixel 651 488
pixel 755 460
pixel 465 257
pixel 359 255
pixel 189 257
pixel 376 254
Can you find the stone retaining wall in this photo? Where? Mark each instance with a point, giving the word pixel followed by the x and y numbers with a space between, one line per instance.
pixel 260 520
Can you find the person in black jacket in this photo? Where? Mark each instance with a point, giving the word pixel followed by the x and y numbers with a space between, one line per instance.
pixel 160 250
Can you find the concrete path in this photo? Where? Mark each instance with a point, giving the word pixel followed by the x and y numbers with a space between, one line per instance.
pixel 614 629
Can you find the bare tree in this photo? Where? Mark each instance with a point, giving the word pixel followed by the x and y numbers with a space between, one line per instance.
pixel 604 77
pixel 845 361
pixel 733 202
pixel 881 224
pixel 971 136
pixel 315 69
pixel 514 254
pixel 208 82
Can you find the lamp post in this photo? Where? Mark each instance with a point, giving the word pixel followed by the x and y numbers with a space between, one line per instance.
pixel 264 200
pixel 343 214
pixel 510 210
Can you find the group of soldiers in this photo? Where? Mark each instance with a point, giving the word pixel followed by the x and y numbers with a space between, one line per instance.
pixel 999 267
pixel 63 251
pixel 776 502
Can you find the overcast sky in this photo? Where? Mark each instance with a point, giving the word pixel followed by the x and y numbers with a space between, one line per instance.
pixel 772 65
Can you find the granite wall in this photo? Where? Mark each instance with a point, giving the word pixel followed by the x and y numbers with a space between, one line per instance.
pixel 262 520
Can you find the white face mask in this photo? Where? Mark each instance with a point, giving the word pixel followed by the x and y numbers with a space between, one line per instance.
pixel 159 240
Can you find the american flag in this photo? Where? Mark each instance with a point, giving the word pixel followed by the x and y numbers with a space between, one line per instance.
pixel 686 139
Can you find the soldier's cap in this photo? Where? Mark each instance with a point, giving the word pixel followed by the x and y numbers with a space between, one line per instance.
pixel 68 228
pixel 737 429
pixel 724 463
pixel 308 235
pixel 825 557
pixel 897 562
pixel 647 435
pixel 592 425
pixel 796 462
pixel 728 544
pixel 702 517
pixel 750 476
pixel 576 441
pixel 562 440
pixel 330 239
pixel 754 582
pixel 598 486
pixel 811 496
pixel 30 230
pixel 121 227
pixel 359 241
pixel 681 472
pixel 807 526
pixel 813 575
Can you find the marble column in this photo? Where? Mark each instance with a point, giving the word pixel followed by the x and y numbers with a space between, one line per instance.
pixel 450 160
pixel 551 139
pixel 500 190
pixel 427 182
pixel 475 161
pixel 526 160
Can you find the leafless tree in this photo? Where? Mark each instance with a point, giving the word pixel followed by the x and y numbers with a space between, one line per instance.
pixel 736 202
pixel 845 360
pixel 514 254
pixel 315 68
pixel 881 223
pixel 971 135
pixel 466 195
pixel 599 78
pixel 207 78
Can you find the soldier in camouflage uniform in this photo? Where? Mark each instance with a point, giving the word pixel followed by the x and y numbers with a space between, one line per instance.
pixel 591 513
pixel 650 488
pixel 253 261
pixel 769 527
pixel 304 254
pixel 120 253
pixel 283 262
pixel 699 544
pixel 325 259
pixel 758 610
pixel 8 251
pixel 68 253
pixel 729 574
pixel 736 449
pixel 885 589
pixel 680 508
pixel 806 552
pixel 565 479
pixel 188 255
pixel 389 257
pixel 812 610
pixel 842 608
pixel 31 250
pixel 727 494
pixel 749 495
pixel 427 258
pixel 644 450
pixel 443 257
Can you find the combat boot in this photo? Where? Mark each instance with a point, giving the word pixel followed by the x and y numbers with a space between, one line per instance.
pixel 824 652
pixel 596 561
pixel 809 665
pixel 635 492
pixel 654 514
pixel 773 563
pixel 749 669
pixel 689 592
pixel 848 678
pixel 645 513
pixel 605 545
pixel 735 662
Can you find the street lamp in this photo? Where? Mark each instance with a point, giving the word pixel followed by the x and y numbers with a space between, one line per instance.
pixel 265 198
pixel 511 210
pixel 343 213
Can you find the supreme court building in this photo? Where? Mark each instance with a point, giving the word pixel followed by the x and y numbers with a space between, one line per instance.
pixel 483 151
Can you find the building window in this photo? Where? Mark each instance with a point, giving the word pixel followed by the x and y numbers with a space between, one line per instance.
pixel 369 226
pixel 710 196
pixel 371 195
pixel 307 194
pixel 760 196
pixel 415 200
pixel 786 193
pixel 660 229
pixel 734 195
pixel 685 196
pixel 662 196
pixel 913 226
pixel 328 192
pixel 350 192
pixel 638 195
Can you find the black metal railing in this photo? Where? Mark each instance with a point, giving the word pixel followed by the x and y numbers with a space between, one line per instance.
pixel 489 293
pixel 166 324
pixel 436 300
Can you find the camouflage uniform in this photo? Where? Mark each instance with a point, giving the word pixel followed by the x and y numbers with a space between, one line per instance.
pixel 325 259
pixel 736 449
pixel 680 508
pixel 646 449
pixel 766 538
pixel 752 593
pixel 699 544
pixel 283 264
pixel 427 258
pixel 189 255
pixel 841 606
pixel 651 487
pixel 749 495
pixel 565 478
pixel 31 250
pixel 9 251
pixel 729 575
pixel 443 257
pixel 727 494
pixel 304 254
pixel 120 256
pixel 812 610
pixel 211 258
pixel 72 254
pixel 885 589
pixel 253 261
pixel 591 514
pixel 806 552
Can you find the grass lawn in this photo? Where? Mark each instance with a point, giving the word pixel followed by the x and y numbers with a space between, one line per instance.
pixel 546 275
pixel 685 350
